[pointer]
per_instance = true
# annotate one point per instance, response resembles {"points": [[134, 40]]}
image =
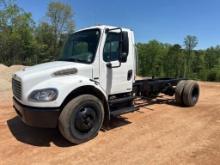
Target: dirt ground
{"points": [[161, 133]]}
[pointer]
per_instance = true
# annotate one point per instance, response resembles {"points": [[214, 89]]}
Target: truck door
{"points": [[116, 78]]}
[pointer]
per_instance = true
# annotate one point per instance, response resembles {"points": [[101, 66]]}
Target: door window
{"points": [[112, 47]]}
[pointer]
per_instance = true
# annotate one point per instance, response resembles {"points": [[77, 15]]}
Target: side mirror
{"points": [[124, 47]]}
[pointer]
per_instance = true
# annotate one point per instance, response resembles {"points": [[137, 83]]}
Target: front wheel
{"points": [[81, 119]]}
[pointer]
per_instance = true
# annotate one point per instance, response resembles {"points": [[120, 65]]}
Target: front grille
{"points": [[17, 88]]}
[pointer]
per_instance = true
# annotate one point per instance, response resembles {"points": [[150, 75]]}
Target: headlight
{"points": [[44, 95]]}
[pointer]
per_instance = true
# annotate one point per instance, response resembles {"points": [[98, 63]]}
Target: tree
{"points": [[190, 43], [60, 18], [212, 63], [173, 61], [45, 39], [142, 59], [212, 57], [198, 65], [150, 57], [17, 42], [22, 42]]}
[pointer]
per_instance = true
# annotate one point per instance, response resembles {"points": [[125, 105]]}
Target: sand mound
{"points": [[4, 85], [6, 74], [15, 68], [3, 67]]}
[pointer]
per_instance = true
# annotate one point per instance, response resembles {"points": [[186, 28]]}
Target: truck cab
{"points": [[93, 79]]}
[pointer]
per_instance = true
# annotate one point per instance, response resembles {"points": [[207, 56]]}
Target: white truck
{"points": [[92, 81]]}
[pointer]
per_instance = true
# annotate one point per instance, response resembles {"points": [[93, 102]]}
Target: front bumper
{"points": [[37, 117]]}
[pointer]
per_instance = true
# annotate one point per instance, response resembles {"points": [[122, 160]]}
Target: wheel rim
{"points": [[85, 119]]}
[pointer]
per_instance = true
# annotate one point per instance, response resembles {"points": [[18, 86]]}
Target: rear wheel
{"points": [[191, 93], [81, 119], [179, 91], [187, 93]]}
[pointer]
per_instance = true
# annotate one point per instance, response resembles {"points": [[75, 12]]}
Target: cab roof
{"points": [[102, 27]]}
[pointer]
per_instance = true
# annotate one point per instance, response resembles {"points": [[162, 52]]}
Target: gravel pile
{"points": [[6, 74]]}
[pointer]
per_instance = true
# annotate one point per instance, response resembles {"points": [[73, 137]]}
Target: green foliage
{"points": [[60, 16], [17, 41], [21, 42], [190, 43], [45, 38], [173, 62], [151, 58], [163, 60], [60, 21], [214, 74]]}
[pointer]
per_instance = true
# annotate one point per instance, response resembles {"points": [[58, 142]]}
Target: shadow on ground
{"points": [[36, 136], [45, 137]]}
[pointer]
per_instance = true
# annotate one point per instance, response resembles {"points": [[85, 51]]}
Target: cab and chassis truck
{"points": [[93, 81]]}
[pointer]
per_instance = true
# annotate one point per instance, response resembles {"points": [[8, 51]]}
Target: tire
{"points": [[179, 92], [190, 93], [81, 119]]}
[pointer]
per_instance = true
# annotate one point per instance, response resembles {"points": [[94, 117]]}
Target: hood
{"points": [[45, 71], [54, 66]]}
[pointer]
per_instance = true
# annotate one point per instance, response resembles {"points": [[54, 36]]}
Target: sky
{"points": [[168, 21]]}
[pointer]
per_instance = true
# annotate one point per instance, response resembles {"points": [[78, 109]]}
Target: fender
{"points": [[90, 89], [68, 87]]}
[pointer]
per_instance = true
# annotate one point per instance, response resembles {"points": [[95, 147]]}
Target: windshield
{"points": [[81, 46]]}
